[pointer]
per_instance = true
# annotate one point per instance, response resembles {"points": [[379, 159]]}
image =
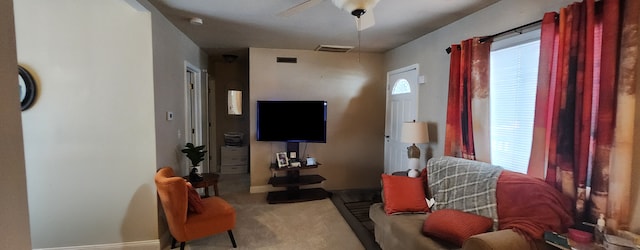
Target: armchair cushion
{"points": [[219, 216], [220, 219]]}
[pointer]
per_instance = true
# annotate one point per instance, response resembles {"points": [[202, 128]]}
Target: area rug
{"points": [[307, 225], [354, 205]]}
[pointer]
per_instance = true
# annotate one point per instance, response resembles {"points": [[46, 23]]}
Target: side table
{"points": [[208, 179]]}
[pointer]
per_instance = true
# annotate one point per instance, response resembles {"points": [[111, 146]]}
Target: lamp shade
{"points": [[351, 5], [414, 132]]}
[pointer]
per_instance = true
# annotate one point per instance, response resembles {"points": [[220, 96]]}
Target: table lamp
{"points": [[414, 132]]}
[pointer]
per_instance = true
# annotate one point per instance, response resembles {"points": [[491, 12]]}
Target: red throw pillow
{"points": [[403, 194], [425, 183], [455, 226], [194, 201]]}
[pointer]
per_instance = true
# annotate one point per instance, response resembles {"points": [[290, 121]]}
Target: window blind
{"points": [[513, 80]]}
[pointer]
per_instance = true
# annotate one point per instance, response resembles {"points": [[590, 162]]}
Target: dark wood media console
{"points": [[293, 181]]}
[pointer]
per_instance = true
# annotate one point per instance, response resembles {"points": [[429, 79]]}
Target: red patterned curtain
{"points": [[585, 106], [467, 132]]}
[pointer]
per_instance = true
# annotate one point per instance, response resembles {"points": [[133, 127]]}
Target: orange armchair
{"points": [[218, 216]]}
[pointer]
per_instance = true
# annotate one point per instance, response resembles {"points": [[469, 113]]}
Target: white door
{"points": [[193, 106], [402, 106]]}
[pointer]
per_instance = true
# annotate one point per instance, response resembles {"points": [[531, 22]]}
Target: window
{"points": [[513, 83], [401, 86]]}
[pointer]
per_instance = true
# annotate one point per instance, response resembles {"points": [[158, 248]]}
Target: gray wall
{"points": [[428, 51], [171, 48], [14, 219]]}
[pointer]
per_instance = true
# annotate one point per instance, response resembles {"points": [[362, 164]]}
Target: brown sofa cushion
{"points": [[403, 194], [455, 226]]}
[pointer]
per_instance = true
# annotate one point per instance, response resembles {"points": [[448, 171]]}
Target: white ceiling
{"points": [[235, 24]]}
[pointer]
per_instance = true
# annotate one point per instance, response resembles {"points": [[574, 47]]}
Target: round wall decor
{"points": [[27, 87]]}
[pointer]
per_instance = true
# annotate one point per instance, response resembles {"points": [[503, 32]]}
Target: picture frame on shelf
{"points": [[282, 159]]}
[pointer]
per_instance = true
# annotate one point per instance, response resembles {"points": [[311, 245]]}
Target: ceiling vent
{"points": [[334, 48], [287, 60]]}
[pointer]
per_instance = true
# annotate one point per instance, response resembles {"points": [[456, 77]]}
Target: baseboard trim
{"points": [[134, 245], [269, 188]]}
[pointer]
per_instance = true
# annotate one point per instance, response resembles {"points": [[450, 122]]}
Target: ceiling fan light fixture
{"points": [[358, 12], [355, 6]]}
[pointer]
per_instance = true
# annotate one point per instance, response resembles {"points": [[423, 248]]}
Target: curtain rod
{"points": [[517, 29]]}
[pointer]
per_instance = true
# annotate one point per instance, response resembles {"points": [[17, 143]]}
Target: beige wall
{"points": [[355, 92], [14, 218], [89, 143], [429, 52]]}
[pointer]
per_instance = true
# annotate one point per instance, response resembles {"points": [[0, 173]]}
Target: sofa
{"points": [[466, 191]]}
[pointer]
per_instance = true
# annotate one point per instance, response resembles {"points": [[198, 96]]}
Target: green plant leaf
{"points": [[195, 154]]}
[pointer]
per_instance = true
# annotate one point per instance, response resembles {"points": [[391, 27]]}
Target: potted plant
{"points": [[196, 155]]}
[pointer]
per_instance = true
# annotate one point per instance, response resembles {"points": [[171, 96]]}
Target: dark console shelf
{"points": [[297, 196], [292, 181], [287, 181], [302, 167]]}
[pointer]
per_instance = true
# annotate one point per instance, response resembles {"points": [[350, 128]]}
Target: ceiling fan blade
{"points": [[299, 8], [366, 21]]}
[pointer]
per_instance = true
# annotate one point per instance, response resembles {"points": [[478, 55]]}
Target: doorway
{"points": [[194, 84], [402, 106]]}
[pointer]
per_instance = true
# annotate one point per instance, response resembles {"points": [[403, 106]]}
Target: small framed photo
{"points": [[282, 159]]}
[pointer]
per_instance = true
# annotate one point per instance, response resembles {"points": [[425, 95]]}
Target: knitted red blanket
{"points": [[530, 206]]}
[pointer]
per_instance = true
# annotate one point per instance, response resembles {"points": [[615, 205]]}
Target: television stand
{"points": [[293, 181]]}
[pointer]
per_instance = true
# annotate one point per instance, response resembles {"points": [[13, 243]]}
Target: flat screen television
{"points": [[292, 121]]}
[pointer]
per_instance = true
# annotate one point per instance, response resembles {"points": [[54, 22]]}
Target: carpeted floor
{"points": [[354, 206], [304, 225]]}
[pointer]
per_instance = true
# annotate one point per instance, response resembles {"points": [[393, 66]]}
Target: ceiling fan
{"points": [[357, 8]]}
